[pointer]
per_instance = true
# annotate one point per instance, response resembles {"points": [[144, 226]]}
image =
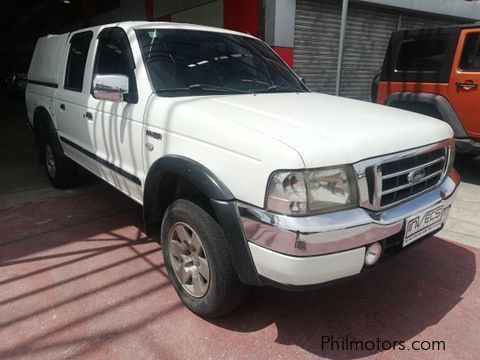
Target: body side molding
{"points": [[101, 161], [43, 83]]}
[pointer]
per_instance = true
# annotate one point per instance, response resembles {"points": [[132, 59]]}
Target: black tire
{"points": [[225, 292], [65, 173], [465, 156]]}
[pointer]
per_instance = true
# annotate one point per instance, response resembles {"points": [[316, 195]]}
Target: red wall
{"points": [[286, 53], [241, 15]]}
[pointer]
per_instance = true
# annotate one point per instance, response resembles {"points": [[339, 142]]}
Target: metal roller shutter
{"points": [[367, 35], [317, 30]]}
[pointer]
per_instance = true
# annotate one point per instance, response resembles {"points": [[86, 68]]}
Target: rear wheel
{"points": [[198, 262], [61, 171]]}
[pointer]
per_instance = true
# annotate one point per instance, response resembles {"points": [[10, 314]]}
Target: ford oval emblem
{"points": [[416, 176]]}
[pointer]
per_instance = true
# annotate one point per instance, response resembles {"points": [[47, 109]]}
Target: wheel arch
{"points": [[433, 105], [161, 189], [162, 179], [42, 114], [43, 127]]}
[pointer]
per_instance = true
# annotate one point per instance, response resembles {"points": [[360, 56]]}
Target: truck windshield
{"points": [[189, 62]]}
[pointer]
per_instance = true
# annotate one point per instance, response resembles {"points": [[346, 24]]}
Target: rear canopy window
{"points": [[77, 58], [425, 52], [470, 60]]}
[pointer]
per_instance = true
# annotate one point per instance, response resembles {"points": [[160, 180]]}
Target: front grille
{"points": [[396, 185]]}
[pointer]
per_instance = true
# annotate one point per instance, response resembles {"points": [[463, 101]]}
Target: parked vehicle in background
{"points": [[16, 81], [436, 72], [247, 177]]}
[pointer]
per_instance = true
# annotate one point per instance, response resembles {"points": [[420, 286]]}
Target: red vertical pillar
{"points": [[87, 11], [286, 53], [241, 16], [149, 10]]}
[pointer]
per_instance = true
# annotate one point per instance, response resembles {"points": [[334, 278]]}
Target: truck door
{"points": [[464, 86], [118, 125], [71, 100]]}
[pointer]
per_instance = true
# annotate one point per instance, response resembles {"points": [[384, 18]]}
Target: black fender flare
{"points": [[185, 168], [42, 122], [407, 100], [43, 129], [189, 169], [157, 198]]}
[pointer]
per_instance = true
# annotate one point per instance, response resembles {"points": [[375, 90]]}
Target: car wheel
{"points": [[197, 259], [61, 171]]}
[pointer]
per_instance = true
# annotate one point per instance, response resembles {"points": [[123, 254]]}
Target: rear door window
{"points": [[425, 52], [77, 58], [470, 60]]}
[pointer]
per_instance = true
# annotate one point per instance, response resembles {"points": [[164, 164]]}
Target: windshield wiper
{"points": [[276, 88], [205, 87]]}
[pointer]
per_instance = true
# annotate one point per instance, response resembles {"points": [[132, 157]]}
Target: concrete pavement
{"points": [[21, 180], [464, 222]]}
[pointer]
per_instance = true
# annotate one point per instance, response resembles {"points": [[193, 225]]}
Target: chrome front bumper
{"points": [[338, 231]]}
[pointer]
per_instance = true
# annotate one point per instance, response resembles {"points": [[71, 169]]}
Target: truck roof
{"points": [[163, 25], [43, 70], [422, 55]]}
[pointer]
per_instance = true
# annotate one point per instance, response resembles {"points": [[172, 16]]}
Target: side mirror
{"points": [[302, 79], [110, 87]]}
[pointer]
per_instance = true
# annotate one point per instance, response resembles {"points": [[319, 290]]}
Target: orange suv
{"points": [[436, 72]]}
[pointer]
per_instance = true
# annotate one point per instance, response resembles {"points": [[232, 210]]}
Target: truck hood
{"points": [[325, 130]]}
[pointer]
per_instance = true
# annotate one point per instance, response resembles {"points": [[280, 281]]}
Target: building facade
{"points": [[336, 45]]}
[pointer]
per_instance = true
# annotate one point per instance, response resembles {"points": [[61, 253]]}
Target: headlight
{"points": [[287, 193], [312, 191], [331, 189]]}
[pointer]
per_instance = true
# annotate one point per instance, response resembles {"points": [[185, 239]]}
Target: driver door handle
{"points": [[467, 85]]}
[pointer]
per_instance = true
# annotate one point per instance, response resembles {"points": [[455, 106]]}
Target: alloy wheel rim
{"points": [[50, 161], [189, 260]]}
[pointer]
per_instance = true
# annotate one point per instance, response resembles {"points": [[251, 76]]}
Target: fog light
{"points": [[373, 253]]}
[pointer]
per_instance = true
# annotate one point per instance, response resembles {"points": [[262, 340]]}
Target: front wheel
{"points": [[198, 262], [465, 156]]}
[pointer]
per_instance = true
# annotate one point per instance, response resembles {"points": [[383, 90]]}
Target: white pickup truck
{"points": [[247, 176]]}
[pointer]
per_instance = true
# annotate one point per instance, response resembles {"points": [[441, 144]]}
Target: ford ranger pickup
{"points": [[246, 177]]}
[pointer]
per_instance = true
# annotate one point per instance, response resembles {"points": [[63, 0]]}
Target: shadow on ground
{"points": [[83, 275], [397, 301], [93, 282]]}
